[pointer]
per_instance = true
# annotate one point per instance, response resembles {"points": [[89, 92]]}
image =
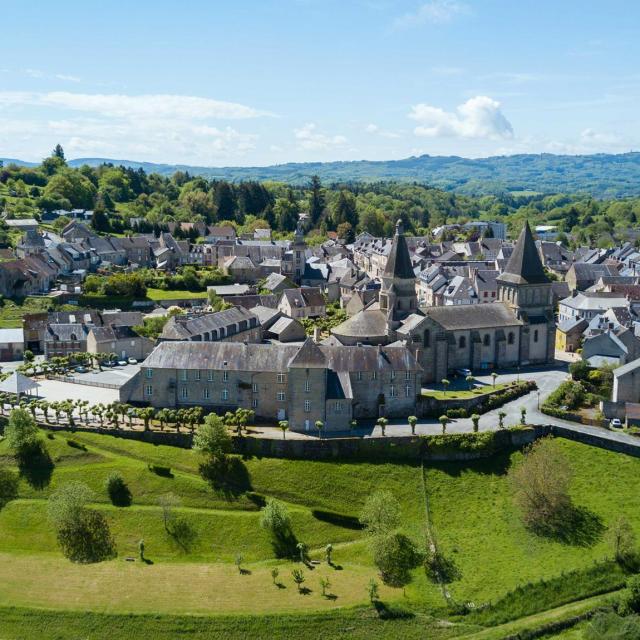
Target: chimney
{"points": [[316, 334]]}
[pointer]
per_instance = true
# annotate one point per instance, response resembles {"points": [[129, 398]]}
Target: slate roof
{"points": [[310, 356], [368, 323], [237, 356], [183, 328], [399, 262], [524, 266], [481, 316]]}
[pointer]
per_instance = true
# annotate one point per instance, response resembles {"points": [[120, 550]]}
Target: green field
{"points": [[473, 518], [174, 294], [12, 311]]}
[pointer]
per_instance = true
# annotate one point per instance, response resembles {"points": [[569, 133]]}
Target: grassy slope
{"points": [[12, 311], [479, 528], [474, 520], [221, 527]]}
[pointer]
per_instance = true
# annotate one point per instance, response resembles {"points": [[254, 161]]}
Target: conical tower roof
{"points": [[399, 263], [524, 266]]}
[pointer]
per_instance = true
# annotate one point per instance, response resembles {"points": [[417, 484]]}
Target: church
{"points": [[517, 330]]}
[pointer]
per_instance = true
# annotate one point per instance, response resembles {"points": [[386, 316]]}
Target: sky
{"points": [[258, 82]]}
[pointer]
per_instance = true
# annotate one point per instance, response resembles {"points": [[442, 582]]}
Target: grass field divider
{"points": [[430, 538]]}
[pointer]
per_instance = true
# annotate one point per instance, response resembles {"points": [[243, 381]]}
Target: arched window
{"points": [[462, 342], [535, 335], [510, 337], [486, 340], [426, 338], [73, 337]]}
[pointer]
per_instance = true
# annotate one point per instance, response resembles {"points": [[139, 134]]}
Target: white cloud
{"points": [[434, 12], [154, 127], [375, 129], [151, 105], [67, 78], [478, 117], [590, 136], [310, 138]]}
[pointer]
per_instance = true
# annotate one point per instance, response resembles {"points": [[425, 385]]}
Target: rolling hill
{"points": [[600, 175]]}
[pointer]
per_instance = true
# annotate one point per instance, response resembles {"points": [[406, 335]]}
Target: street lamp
{"points": [[518, 379], [538, 401]]}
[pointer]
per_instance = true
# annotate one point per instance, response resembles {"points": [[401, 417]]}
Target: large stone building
{"points": [[301, 384], [518, 329]]}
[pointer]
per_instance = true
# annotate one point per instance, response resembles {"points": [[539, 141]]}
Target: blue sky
{"points": [[261, 82]]}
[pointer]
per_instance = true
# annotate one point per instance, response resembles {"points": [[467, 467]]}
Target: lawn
{"points": [[473, 517], [12, 311], [174, 294], [464, 394]]}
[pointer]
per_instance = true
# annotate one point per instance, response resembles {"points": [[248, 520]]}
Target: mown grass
{"points": [[464, 394], [358, 624], [480, 530], [174, 294], [475, 521]]}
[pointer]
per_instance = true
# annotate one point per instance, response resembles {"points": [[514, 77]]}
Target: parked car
{"points": [[463, 373], [133, 361], [81, 369], [122, 363], [616, 423]]}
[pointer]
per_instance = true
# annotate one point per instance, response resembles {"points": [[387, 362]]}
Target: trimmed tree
{"points": [[475, 419], [444, 421], [413, 421]]}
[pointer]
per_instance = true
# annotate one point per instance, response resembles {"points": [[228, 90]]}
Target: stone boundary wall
{"points": [[411, 449]]}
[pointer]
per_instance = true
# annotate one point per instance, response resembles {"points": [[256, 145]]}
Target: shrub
{"points": [[117, 490], [160, 470], [75, 444]]}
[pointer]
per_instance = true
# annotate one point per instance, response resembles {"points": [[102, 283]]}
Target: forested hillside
{"points": [[601, 175], [125, 199]]}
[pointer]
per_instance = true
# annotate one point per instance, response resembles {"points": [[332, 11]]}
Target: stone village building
{"points": [[299, 383]]}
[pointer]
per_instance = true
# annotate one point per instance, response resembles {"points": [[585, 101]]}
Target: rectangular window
{"points": [[210, 376], [307, 386], [254, 388], [338, 407], [197, 374], [393, 374], [225, 376], [374, 375], [148, 390], [280, 396], [185, 392], [407, 391], [281, 378], [254, 403], [149, 373], [392, 391], [307, 406], [183, 374], [205, 393], [225, 394], [359, 375], [407, 375]]}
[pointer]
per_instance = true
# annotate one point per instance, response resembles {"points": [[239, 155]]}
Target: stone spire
{"points": [[399, 263], [524, 266]]}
